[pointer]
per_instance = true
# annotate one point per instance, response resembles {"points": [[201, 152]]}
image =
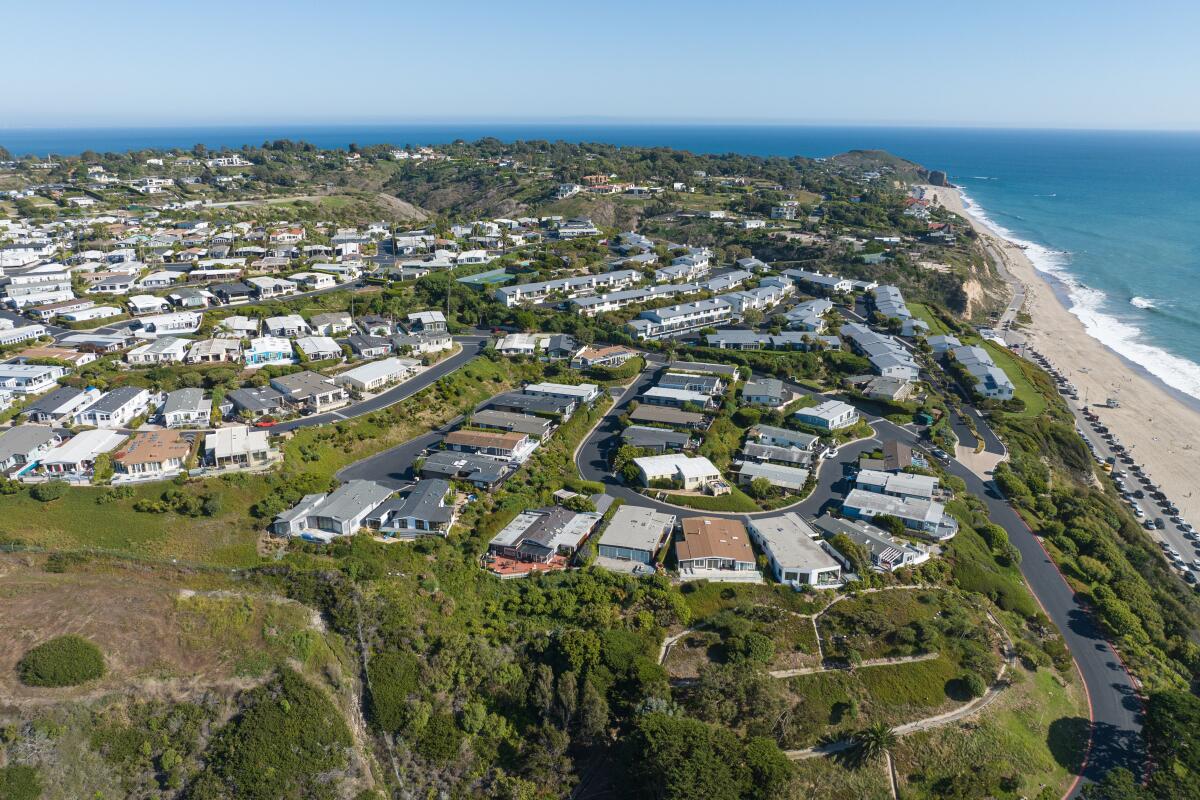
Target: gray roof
{"points": [[465, 466], [509, 421], [424, 501], [54, 401], [771, 387], [300, 385], [256, 399], [114, 400], [350, 499], [645, 436], [24, 439], [637, 528], [528, 402], [185, 400]]}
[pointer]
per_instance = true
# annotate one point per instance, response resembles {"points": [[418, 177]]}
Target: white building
{"points": [[692, 473], [794, 557], [831, 415], [319, 348], [377, 374], [78, 454], [115, 409], [167, 350]]}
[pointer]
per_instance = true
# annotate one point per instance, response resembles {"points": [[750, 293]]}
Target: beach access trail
{"points": [[1161, 431]]}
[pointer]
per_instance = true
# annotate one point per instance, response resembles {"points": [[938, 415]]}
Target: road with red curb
{"points": [[1113, 695]]}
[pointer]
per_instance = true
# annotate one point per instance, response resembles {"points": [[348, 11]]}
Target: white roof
{"points": [[374, 370], [685, 466], [582, 391], [84, 447], [235, 440], [791, 541]]}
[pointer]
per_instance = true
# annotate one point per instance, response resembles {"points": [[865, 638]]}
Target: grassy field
{"points": [[871, 623], [1020, 374], [1031, 731], [706, 599]]}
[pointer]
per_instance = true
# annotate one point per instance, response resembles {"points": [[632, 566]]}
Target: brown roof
{"points": [[60, 353], [499, 439], [602, 352], [714, 537], [669, 416], [896, 455], [150, 447]]}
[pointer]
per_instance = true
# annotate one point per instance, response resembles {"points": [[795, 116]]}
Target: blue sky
{"points": [[1054, 63]]}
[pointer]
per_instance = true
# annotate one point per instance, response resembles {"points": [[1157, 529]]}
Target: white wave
{"points": [[982, 178], [1087, 304], [1052, 194], [1142, 302]]}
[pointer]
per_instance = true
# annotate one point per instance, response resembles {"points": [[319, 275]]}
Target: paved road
{"points": [[471, 347], [393, 467], [1115, 705]]}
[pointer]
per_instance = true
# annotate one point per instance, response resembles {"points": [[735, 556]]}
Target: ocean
{"points": [[1112, 217]]}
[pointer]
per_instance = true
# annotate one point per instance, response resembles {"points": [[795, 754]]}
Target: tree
{"points": [[893, 525], [873, 741], [855, 553], [760, 488], [593, 714], [1118, 784], [541, 689], [568, 698]]}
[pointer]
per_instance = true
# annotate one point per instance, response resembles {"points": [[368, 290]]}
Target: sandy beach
{"points": [[1161, 431]]}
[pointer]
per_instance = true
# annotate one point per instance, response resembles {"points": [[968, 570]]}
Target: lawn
{"points": [[901, 692], [736, 500], [924, 312], [1019, 373]]}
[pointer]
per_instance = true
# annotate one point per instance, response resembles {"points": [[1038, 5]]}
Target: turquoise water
{"points": [[1115, 217]]}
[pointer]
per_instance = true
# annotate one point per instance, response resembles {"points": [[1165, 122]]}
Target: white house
{"points": [[186, 407], [167, 350], [831, 415], [318, 348], [115, 409], [794, 556], [377, 374], [79, 453], [692, 473]]}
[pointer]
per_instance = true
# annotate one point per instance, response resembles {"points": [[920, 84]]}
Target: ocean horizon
{"points": [[1110, 216]]}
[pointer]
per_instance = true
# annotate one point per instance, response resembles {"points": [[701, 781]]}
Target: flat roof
{"points": [[791, 541], [150, 447], [638, 528]]}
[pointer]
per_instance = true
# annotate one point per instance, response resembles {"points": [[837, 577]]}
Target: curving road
{"points": [[1113, 698], [471, 347]]}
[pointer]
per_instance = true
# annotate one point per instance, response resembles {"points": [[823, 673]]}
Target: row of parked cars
{"points": [[1135, 486]]}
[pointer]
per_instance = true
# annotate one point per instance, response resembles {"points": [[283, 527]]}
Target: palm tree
{"points": [[874, 741]]}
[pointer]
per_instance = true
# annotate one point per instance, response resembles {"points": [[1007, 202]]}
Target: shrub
{"points": [[51, 490], [19, 782], [65, 661]]}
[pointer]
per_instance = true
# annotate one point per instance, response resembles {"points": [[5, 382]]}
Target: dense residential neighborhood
{"points": [[520, 450]]}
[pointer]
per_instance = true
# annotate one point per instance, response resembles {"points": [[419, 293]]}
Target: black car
{"points": [[1158, 523]]}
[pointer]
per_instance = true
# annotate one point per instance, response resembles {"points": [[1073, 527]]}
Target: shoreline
{"points": [[1159, 424]]}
